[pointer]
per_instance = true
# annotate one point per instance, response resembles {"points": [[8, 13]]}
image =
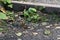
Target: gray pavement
{"points": [[44, 1]]}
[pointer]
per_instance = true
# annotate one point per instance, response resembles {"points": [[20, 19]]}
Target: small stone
{"points": [[20, 13], [47, 32], [10, 22], [58, 38], [1, 35], [32, 28], [35, 33], [58, 27], [29, 27], [55, 24], [19, 39], [35, 25], [20, 18], [14, 28], [39, 30], [25, 31], [16, 15], [47, 26], [50, 25], [58, 35], [44, 23], [45, 14], [12, 36], [18, 34]]}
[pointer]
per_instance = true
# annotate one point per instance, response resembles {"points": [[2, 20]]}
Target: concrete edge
{"points": [[37, 4]]}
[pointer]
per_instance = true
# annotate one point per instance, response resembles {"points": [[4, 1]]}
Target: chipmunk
{"points": [[2, 9]]}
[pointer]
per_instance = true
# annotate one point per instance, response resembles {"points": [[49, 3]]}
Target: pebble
{"points": [[47, 32], [35, 25], [34, 33], [32, 28], [25, 31], [58, 38], [16, 15], [29, 27], [19, 39], [47, 26], [18, 34], [39, 30], [20, 18], [55, 24], [44, 23], [12, 36], [58, 27], [58, 35], [1, 35]]}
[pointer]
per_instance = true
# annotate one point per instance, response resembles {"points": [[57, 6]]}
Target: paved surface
{"points": [[44, 1], [28, 35]]}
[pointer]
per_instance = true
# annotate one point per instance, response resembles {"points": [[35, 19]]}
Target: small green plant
{"points": [[10, 15], [44, 19], [3, 13], [41, 8], [3, 16], [31, 15], [6, 3], [3, 29], [47, 32]]}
